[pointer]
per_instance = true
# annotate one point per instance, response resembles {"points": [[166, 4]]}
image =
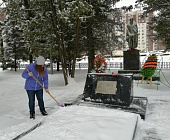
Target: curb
{"points": [[28, 131]]}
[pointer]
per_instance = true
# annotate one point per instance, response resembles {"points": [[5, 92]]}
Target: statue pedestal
{"points": [[131, 59]]}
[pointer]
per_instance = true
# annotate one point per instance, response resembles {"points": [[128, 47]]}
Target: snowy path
{"points": [[156, 125]]}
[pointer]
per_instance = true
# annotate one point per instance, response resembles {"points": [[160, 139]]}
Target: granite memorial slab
{"points": [[108, 88]]}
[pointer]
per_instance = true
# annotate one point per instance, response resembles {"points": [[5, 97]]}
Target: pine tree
{"points": [[68, 27], [12, 36]]}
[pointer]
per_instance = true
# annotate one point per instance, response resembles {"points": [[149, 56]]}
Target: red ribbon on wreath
{"points": [[100, 64], [151, 62]]}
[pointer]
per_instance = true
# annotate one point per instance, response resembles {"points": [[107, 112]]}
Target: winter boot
{"points": [[32, 115], [44, 113]]}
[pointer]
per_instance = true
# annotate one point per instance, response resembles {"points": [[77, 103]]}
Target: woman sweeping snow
{"points": [[32, 87]]}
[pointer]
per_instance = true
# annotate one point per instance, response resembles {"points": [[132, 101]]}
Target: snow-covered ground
{"points": [[81, 122]]}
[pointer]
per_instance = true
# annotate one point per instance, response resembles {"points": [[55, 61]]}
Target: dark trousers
{"points": [[31, 97]]}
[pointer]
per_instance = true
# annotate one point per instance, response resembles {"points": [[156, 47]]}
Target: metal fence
{"points": [[120, 65], [110, 65]]}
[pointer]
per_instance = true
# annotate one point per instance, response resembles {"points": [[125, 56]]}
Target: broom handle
{"points": [[43, 87]]}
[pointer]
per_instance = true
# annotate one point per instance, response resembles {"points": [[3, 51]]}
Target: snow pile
{"points": [[86, 123]]}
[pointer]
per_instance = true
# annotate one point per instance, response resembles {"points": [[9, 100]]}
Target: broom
{"points": [[45, 90]]}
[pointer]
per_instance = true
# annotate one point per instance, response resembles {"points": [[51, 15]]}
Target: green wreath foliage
{"points": [[149, 70]]}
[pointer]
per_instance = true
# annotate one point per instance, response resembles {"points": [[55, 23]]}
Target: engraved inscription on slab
{"points": [[106, 87]]}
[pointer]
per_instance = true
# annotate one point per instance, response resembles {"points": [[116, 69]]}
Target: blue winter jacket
{"points": [[31, 83]]}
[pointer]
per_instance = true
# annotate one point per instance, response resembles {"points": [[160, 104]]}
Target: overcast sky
{"points": [[125, 3], [0, 2]]}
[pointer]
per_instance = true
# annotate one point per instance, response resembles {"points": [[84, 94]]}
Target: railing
{"points": [[110, 65]]}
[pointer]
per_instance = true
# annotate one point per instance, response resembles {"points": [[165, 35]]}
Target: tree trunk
{"points": [[91, 59], [91, 51], [58, 65], [51, 61], [30, 58], [27, 6], [75, 48], [62, 53], [60, 40], [15, 61]]}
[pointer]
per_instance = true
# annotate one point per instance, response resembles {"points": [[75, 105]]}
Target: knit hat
{"points": [[40, 60]]}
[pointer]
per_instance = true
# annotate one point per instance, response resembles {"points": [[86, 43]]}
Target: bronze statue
{"points": [[132, 34]]}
